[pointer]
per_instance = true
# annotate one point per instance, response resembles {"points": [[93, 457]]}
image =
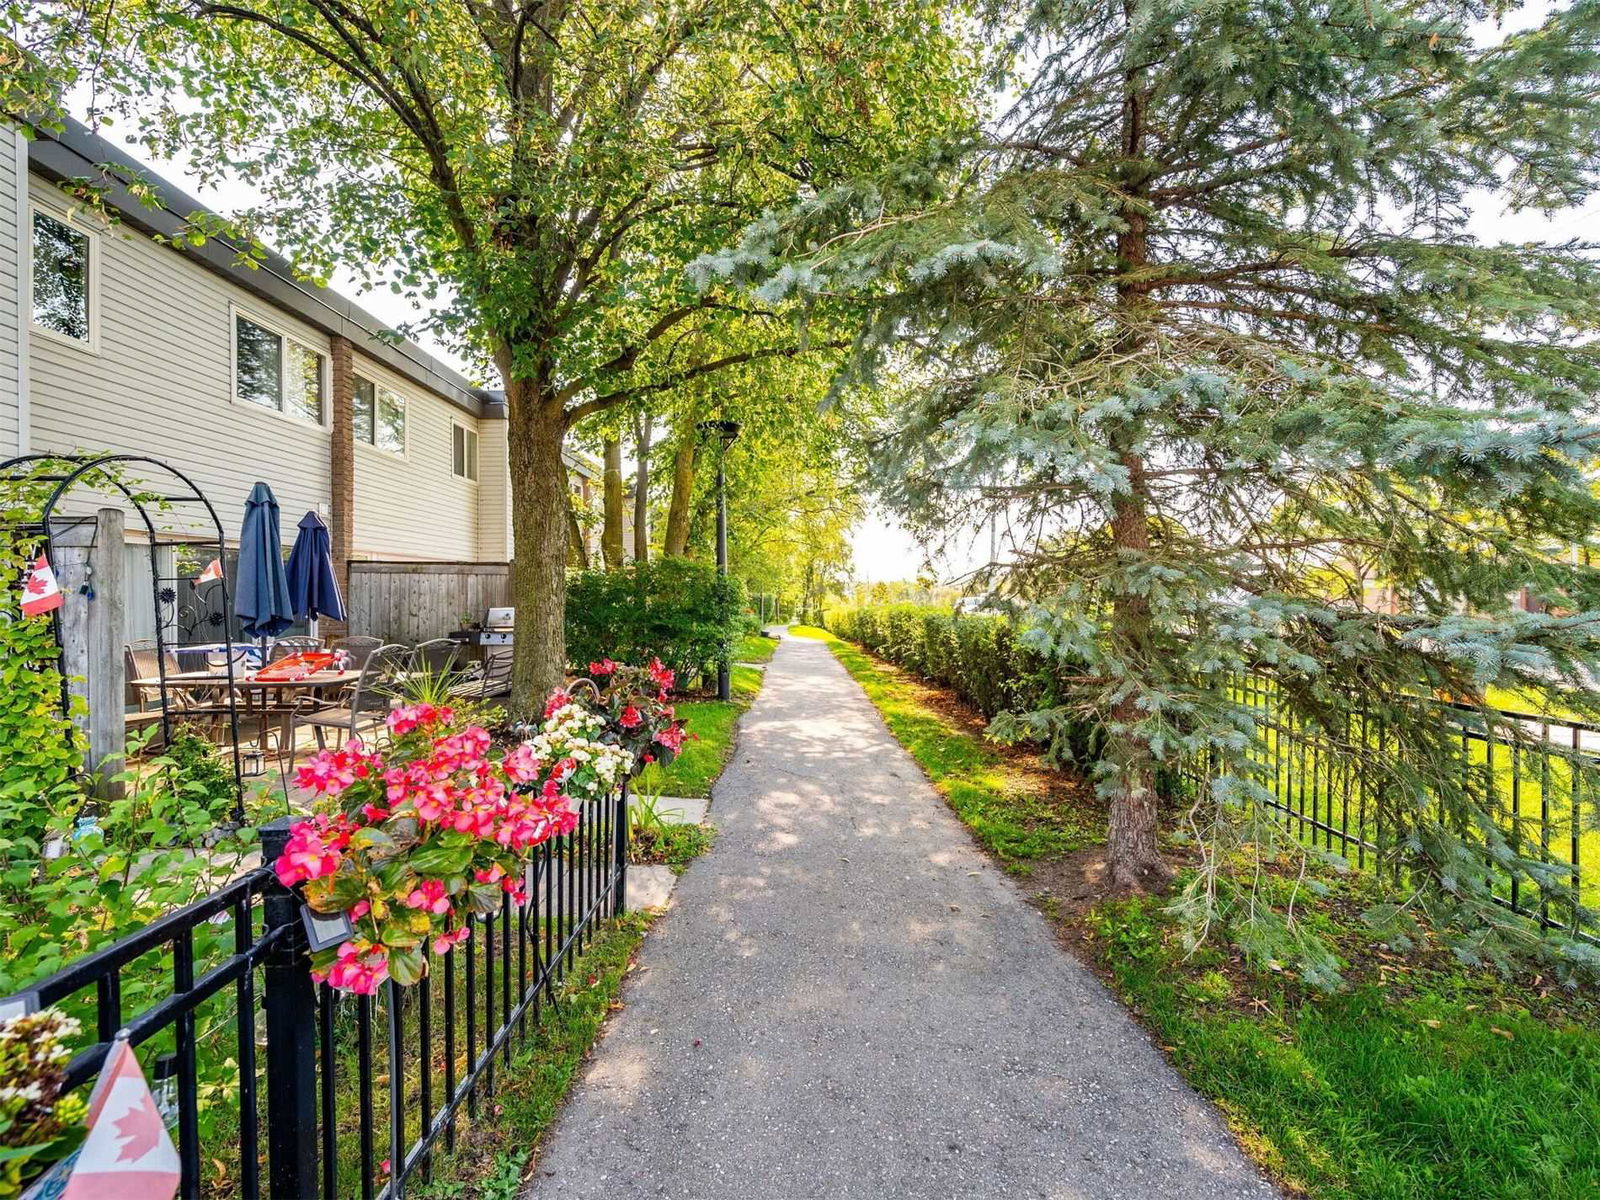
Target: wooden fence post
{"points": [[91, 563]]}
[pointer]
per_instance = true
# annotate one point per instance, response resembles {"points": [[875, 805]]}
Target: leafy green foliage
{"points": [[41, 749], [1203, 317], [674, 609], [982, 660], [712, 725]]}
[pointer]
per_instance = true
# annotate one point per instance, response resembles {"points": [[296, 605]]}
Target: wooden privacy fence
{"points": [[412, 602]]}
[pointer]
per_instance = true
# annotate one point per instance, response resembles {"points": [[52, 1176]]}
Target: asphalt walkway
{"points": [[848, 1000]]}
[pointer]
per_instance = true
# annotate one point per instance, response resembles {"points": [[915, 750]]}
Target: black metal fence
{"points": [[1537, 771], [354, 1095]]}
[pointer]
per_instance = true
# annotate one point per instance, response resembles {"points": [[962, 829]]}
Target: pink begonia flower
{"points": [[329, 772], [429, 896], [630, 718], [604, 667], [491, 874], [305, 856], [360, 909], [520, 765], [671, 737], [404, 719], [432, 802], [359, 968], [450, 938], [662, 676], [557, 701]]}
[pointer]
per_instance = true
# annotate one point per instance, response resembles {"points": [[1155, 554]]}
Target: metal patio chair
{"points": [[369, 701]]}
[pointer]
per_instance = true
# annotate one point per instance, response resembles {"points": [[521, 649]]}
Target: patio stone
{"points": [[649, 886], [677, 810]]}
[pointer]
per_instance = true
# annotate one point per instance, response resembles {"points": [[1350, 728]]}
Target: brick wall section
{"points": [[342, 459]]}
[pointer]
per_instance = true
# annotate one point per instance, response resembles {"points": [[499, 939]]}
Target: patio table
{"points": [[255, 693]]}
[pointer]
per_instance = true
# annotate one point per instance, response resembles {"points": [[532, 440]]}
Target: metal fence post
{"points": [[620, 896], [291, 1057]]}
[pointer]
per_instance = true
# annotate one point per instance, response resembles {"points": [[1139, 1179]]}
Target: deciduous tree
{"points": [[539, 170]]}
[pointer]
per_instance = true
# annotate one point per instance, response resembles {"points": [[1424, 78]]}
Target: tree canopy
{"points": [[538, 171]]}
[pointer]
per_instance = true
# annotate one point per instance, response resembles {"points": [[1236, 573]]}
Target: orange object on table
{"points": [[295, 666]]}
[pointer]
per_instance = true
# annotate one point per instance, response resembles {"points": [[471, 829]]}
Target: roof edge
{"points": [[76, 152]]}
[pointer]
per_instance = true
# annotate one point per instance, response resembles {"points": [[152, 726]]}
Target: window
{"points": [[62, 295], [465, 464], [275, 372], [380, 416]]}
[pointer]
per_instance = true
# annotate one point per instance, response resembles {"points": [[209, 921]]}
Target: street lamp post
{"points": [[725, 432]]}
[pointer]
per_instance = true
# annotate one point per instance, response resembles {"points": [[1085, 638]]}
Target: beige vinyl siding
{"points": [[161, 382], [413, 506], [494, 492], [13, 170]]}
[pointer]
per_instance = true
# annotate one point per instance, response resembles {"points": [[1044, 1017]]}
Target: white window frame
{"points": [[373, 377], [477, 457], [90, 345], [255, 317]]}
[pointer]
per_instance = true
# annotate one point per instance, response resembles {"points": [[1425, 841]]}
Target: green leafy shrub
{"points": [[674, 609], [980, 659]]}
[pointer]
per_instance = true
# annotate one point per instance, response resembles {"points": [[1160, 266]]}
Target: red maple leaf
{"points": [[35, 584], [139, 1130]]}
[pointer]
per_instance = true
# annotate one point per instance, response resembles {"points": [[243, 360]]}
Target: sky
{"points": [[883, 549]]}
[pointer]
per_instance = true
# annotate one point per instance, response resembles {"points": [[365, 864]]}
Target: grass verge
{"points": [[492, 1155], [712, 723], [755, 648], [1422, 1079]]}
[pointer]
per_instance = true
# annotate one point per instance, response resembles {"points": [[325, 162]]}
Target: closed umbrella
{"points": [[313, 587], [263, 603]]}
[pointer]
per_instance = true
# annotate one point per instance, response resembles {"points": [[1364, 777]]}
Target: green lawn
{"points": [[756, 648], [1421, 1081], [1427, 1084], [712, 723]]}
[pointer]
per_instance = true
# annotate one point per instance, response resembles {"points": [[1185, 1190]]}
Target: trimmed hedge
{"points": [[675, 609], [976, 656]]}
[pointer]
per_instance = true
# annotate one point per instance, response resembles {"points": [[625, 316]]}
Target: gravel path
{"points": [[847, 1000]]}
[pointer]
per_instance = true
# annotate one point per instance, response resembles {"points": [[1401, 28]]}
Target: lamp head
{"points": [[726, 431]]}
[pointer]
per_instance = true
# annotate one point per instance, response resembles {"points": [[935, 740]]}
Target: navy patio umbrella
{"points": [[313, 587], [262, 603]]}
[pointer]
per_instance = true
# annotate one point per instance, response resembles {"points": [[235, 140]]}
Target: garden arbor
{"points": [[85, 552]]}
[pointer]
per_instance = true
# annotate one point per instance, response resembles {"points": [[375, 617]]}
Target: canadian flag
{"points": [[127, 1153], [40, 591], [212, 572]]}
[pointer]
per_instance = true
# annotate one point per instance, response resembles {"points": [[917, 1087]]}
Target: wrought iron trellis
{"points": [[105, 471]]}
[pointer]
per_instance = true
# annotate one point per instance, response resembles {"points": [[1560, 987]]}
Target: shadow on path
{"points": [[848, 1000]]}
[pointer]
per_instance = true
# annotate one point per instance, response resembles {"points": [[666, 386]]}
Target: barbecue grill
{"points": [[497, 629]]}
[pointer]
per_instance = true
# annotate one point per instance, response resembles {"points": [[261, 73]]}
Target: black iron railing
{"points": [[1538, 772], [354, 1095]]}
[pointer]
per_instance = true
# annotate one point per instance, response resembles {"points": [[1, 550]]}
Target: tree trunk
{"points": [[1132, 856], [539, 512], [641, 489], [1131, 843], [611, 530], [578, 551], [676, 541]]}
